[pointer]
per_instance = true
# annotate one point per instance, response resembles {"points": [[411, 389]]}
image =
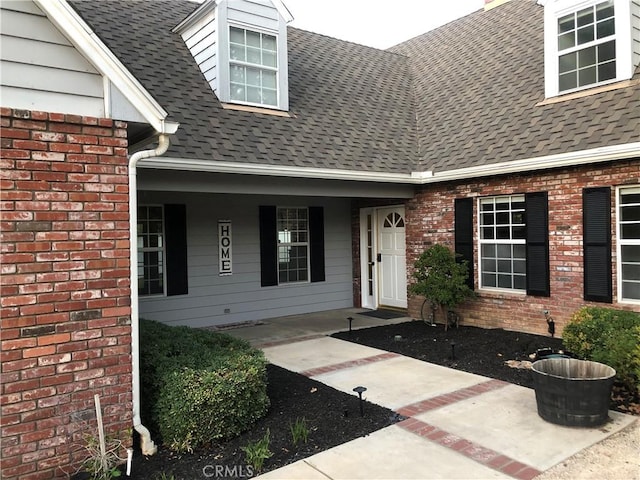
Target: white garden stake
{"points": [[103, 446]]}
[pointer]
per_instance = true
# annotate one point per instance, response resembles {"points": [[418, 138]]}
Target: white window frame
{"points": [[620, 191], [511, 241], [283, 242], [554, 10], [232, 62], [162, 250]]}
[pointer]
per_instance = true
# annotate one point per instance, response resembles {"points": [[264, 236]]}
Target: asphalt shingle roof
{"points": [[479, 80], [352, 104], [465, 94]]}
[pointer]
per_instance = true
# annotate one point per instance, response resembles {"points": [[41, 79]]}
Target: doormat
{"points": [[383, 314]]}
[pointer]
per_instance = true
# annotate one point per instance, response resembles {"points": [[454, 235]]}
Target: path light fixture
{"points": [[551, 325], [453, 350], [359, 391], [350, 321]]}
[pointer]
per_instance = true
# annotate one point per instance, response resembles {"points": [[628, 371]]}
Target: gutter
{"points": [[147, 445], [562, 160], [571, 159]]}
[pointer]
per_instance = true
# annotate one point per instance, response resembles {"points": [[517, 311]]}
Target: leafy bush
{"points": [[440, 278], [197, 385], [607, 336]]}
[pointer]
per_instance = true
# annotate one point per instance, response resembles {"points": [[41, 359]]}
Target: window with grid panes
{"points": [[503, 242], [587, 46], [151, 250], [293, 245], [629, 239], [253, 67]]}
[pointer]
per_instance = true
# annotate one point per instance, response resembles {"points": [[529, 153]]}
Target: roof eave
{"points": [[89, 44], [196, 165], [571, 159]]}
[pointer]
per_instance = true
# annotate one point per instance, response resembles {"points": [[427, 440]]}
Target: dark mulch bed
{"points": [[333, 416], [477, 350]]}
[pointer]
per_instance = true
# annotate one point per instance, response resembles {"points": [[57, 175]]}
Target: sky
{"points": [[376, 23]]}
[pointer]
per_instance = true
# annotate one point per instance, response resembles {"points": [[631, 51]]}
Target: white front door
{"points": [[392, 265]]}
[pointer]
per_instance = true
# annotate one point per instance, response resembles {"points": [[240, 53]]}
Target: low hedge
{"points": [[198, 386], [607, 336]]}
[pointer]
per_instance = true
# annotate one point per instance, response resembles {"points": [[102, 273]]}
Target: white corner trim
{"points": [[89, 44], [571, 159]]}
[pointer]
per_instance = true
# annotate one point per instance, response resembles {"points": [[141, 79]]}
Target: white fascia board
{"points": [[283, 10], [209, 5], [195, 165], [571, 159], [89, 44], [196, 15]]}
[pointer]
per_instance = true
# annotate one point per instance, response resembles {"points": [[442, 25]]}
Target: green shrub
{"points": [[440, 278], [607, 336], [197, 385]]}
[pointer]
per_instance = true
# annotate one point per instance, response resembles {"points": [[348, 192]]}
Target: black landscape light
{"points": [[359, 391], [350, 321], [453, 350]]}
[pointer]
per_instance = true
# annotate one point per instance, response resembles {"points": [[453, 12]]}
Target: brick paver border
{"points": [[349, 364], [469, 449], [451, 397]]}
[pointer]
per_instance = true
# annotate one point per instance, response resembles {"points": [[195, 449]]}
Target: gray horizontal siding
{"points": [[202, 41], [41, 70], [259, 13], [241, 293]]}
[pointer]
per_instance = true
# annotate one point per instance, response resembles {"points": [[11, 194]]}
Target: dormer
{"points": [[241, 48], [589, 43]]}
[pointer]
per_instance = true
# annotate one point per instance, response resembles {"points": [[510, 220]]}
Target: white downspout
{"points": [[146, 444]]}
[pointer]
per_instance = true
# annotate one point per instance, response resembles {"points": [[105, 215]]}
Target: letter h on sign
{"points": [[224, 248]]}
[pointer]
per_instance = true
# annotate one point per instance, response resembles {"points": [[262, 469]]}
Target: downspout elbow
{"points": [[147, 445]]}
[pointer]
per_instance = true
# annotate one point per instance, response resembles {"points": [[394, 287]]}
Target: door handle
{"points": [[379, 257]]}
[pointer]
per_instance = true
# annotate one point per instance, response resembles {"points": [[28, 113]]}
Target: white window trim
{"points": [[620, 242], [480, 242], [624, 54], [263, 31], [164, 256], [224, 73], [307, 244]]}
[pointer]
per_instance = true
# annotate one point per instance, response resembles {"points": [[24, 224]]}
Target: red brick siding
{"points": [[430, 217], [65, 302]]}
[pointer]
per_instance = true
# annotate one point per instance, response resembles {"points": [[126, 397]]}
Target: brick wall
{"points": [[65, 300], [430, 219]]}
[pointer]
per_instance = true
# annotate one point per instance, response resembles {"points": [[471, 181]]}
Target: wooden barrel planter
{"points": [[571, 392]]}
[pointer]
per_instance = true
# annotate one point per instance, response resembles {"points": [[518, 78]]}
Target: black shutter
{"points": [[316, 243], [537, 212], [175, 224], [464, 234], [268, 246], [596, 221]]}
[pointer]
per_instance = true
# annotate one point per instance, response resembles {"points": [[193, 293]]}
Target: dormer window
{"points": [[588, 43], [241, 49], [253, 67], [587, 46]]}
